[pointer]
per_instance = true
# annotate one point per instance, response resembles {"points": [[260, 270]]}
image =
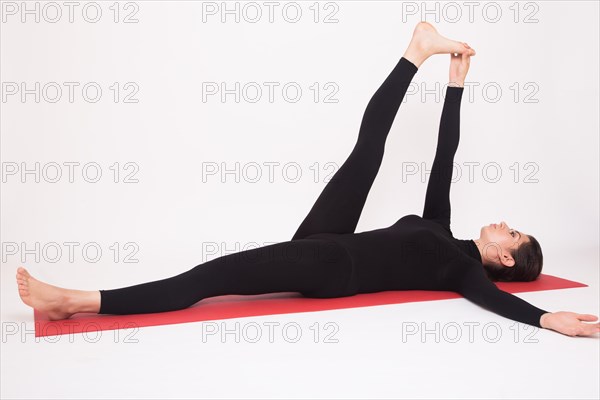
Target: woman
{"points": [[326, 258]]}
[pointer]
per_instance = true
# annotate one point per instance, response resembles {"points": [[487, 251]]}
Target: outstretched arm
{"points": [[475, 286], [437, 198]]}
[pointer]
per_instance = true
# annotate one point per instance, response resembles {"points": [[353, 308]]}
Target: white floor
{"points": [[359, 353]]}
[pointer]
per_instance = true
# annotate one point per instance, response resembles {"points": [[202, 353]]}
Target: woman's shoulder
{"points": [[464, 267]]}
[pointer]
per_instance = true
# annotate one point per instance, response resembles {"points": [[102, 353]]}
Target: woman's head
{"points": [[508, 254]]}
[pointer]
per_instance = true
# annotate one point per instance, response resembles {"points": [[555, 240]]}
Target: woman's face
{"points": [[497, 241]]}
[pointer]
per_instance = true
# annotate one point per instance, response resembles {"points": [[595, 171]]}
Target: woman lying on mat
{"points": [[326, 258]]}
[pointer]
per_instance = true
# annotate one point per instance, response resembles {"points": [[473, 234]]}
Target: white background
{"points": [[172, 215]]}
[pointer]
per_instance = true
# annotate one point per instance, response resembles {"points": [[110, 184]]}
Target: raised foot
{"points": [[51, 300], [426, 41]]}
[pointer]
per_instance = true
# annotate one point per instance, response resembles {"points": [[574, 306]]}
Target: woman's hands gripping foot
{"points": [[426, 41], [459, 67]]}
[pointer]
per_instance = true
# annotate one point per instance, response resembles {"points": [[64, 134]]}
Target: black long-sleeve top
{"points": [[421, 253]]}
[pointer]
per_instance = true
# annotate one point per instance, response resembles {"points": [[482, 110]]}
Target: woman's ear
{"points": [[507, 260]]}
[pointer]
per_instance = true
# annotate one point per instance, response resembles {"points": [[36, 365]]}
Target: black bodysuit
{"points": [[327, 258]]}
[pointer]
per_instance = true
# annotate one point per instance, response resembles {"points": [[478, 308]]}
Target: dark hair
{"points": [[528, 264]]}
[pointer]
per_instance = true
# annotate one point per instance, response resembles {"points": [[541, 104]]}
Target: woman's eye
{"points": [[512, 233]]}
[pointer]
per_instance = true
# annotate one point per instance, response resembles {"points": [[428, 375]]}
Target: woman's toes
{"points": [[23, 273], [42, 296], [471, 50]]}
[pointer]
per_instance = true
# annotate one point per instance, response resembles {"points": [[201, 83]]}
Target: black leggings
{"points": [[315, 267]]}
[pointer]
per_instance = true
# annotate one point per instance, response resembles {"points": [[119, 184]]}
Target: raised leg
{"points": [[340, 204], [338, 208]]}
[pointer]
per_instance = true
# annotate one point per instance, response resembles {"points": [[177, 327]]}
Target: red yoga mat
{"points": [[236, 306]]}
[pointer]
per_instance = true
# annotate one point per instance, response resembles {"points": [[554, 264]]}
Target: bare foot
{"points": [[51, 300], [426, 41]]}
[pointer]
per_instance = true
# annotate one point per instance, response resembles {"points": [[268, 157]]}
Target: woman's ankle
{"points": [[415, 56], [80, 301]]}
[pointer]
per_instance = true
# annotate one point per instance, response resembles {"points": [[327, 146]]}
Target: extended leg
{"points": [[312, 267], [338, 208]]}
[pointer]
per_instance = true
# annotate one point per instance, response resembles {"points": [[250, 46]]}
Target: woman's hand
{"points": [[459, 66], [570, 323]]}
